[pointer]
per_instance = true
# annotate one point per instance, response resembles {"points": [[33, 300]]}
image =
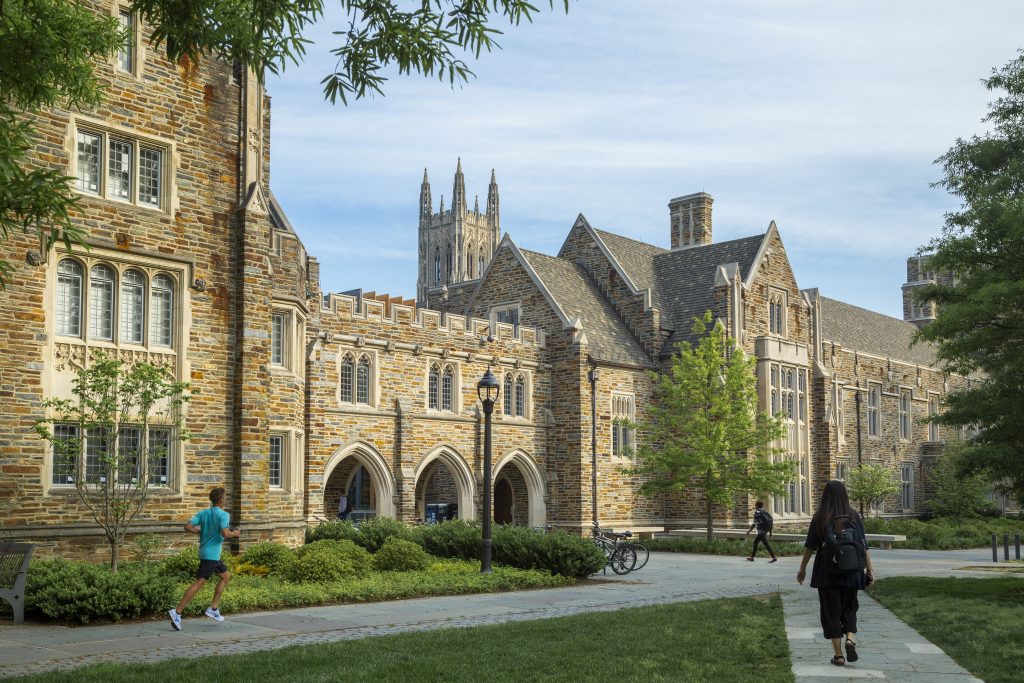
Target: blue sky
{"points": [[823, 115]]}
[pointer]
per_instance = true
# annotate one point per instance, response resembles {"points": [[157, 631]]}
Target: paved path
{"points": [[667, 578]]}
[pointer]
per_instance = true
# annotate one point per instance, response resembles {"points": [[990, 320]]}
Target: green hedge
{"points": [[58, 590], [946, 533], [399, 555], [720, 546], [326, 561]]}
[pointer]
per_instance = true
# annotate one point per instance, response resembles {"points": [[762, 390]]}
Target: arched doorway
{"points": [[444, 487], [360, 472], [525, 484], [504, 502]]}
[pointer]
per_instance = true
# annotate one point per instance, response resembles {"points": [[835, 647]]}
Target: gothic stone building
{"points": [[299, 395]]}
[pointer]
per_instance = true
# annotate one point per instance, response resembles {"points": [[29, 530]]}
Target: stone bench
{"points": [[885, 540], [642, 533], [14, 559]]}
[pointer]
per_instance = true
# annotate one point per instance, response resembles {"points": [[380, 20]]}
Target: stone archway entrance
{"points": [[361, 473], [519, 491], [444, 487], [504, 502]]}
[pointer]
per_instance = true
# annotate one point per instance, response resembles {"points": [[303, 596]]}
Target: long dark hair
{"points": [[835, 502]]}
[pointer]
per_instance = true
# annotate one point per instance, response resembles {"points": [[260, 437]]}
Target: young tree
{"points": [[867, 484], [110, 438], [979, 328], [48, 49], [957, 495], [704, 431]]}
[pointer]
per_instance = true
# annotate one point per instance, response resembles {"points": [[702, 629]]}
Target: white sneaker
{"points": [[213, 614], [175, 619]]}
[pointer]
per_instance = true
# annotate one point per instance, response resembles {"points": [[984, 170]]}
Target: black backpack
{"points": [[844, 551], [765, 522]]}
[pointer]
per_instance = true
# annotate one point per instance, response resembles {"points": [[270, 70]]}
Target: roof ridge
{"points": [[868, 310], [630, 239]]}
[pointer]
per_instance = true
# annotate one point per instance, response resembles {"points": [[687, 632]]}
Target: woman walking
{"points": [[842, 566]]}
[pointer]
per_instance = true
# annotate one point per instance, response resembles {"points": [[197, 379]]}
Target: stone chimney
{"points": [[690, 217]]}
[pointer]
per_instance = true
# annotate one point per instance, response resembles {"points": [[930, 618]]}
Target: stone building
{"points": [[301, 395]]}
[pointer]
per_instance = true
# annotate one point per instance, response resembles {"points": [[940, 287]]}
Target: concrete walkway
{"points": [[888, 648], [667, 578]]}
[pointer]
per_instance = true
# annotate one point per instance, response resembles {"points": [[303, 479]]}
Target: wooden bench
{"points": [[14, 559], [885, 540], [643, 533]]}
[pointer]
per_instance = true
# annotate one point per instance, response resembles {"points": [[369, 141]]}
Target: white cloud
{"points": [[823, 116]]}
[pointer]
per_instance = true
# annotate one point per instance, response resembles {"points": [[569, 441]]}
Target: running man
{"points": [[212, 525]]}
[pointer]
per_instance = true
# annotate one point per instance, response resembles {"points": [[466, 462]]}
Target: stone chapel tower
{"points": [[455, 245]]}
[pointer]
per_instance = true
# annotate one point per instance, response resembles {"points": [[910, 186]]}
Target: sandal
{"points": [[839, 660], [851, 651]]}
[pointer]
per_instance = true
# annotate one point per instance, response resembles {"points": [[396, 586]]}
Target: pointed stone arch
{"points": [[465, 483], [535, 486], [376, 465]]}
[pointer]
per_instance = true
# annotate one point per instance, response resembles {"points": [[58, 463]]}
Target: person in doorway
{"points": [[213, 526], [842, 566], [764, 524], [343, 507]]}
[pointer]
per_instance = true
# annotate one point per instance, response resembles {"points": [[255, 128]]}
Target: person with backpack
{"points": [[764, 523], [842, 566]]}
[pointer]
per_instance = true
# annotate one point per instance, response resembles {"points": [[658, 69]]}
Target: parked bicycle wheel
{"points": [[623, 559], [642, 555]]}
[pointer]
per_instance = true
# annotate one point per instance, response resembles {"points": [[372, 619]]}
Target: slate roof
{"points": [[578, 296], [680, 281], [859, 329]]}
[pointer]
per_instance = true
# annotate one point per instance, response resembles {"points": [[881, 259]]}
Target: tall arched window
{"points": [[161, 311], [347, 371], [506, 403], [520, 396], [133, 306], [469, 261], [437, 266], [69, 298], [433, 387], [480, 273], [363, 381], [448, 263], [101, 303], [447, 384]]}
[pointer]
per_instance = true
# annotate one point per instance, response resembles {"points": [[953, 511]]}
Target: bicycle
{"points": [[620, 555]]}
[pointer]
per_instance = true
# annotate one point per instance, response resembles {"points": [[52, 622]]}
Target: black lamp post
{"points": [[593, 376], [487, 392]]}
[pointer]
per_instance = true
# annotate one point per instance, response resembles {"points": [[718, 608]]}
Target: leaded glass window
{"points": [[363, 381], [433, 388], [347, 373], [277, 343], [276, 457], [69, 298], [88, 165], [119, 170], [161, 311], [129, 446], [126, 55], [67, 446], [133, 306], [101, 303], [447, 384], [159, 456], [520, 397], [150, 176], [506, 405]]}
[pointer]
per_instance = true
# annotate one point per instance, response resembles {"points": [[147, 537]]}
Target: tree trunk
{"points": [[115, 550], [711, 520]]}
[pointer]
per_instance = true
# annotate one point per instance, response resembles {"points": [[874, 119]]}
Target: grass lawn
{"points": [[977, 622], [715, 640]]}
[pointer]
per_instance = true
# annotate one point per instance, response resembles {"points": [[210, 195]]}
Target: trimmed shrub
{"points": [[557, 552], [454, 538], [399, 555], [81, 592], [374, 532], [246, 569], [334, 530], [276, 558], [324, 561], [182, 566]]}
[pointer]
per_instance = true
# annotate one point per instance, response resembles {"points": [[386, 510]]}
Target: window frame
{"points": [[79, 469], [292, 337], [778, 304], [505, 308], [904, 406], [282, 439], [874, 410], [350, 399], [516, 406], [435, 390], [907, 486], [120, 265], [623, 438], [138, 144], [933, 410]]}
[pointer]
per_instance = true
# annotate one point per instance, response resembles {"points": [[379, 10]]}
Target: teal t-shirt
{"points": [[211, 521]]}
